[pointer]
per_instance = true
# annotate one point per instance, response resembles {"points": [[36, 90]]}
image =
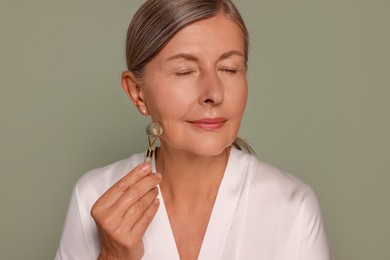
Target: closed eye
{"points": [[229, 70], [184, 73]]}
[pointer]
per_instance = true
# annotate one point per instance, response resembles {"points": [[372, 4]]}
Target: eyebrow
{"points": [[185, 56], [191, 57], [230, 53]]}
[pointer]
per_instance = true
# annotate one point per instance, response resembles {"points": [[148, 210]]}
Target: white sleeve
{"points": [[74, 243], [314, 244]]}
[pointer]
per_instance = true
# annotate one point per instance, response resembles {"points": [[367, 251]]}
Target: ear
{"points": [[131, 85]]}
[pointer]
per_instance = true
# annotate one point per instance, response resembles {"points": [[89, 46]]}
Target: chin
{"points": [[205, 144], [210, 148]]}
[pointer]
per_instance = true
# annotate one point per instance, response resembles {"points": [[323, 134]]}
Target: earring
{"points": [[153, 131]]}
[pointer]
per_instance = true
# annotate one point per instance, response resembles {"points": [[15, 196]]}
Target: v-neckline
{"points": [[159, 239]]}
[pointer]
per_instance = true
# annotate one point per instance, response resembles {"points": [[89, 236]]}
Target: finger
{"points": [[143, 223], [116, 191], [135, 212], [132, 195]]}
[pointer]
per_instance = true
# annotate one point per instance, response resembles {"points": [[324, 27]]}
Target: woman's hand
{"points": [[123, 213]]}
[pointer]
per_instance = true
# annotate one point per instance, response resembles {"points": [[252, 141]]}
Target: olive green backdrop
{"points": [[319, 107]]}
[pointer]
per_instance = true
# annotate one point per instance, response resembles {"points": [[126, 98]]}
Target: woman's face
{"points": [[196, 87]]}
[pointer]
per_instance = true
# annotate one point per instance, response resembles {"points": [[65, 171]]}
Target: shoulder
{"points": [[279, 206], [279, 185]]}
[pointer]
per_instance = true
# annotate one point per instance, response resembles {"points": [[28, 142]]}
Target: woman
{"points": [[187, 63]]}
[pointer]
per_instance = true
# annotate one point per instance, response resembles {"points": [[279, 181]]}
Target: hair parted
{"points": [[157, 21]]}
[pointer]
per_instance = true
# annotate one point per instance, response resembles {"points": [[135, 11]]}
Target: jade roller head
{"points": [[153, 131]]}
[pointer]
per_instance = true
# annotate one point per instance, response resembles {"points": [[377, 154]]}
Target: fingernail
{"points": [[156, 201], [158, 175], [146, 167]]}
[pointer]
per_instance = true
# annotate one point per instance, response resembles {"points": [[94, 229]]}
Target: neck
{"points": [[190, 177]]}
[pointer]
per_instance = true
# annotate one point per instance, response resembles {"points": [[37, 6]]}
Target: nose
{"points": [[212, 90]]}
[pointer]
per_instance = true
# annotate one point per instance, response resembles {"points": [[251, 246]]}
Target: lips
{"points": [[209, 124]]}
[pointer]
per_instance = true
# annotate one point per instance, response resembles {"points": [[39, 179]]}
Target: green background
{"points": [[319, 107]]}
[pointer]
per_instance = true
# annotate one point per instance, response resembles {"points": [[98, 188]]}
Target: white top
{"points": [[260, 213]]}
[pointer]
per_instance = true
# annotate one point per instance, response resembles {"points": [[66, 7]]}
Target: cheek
{"points": [[168, 104], [239, 94]]}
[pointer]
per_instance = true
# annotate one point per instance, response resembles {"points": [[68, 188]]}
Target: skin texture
{"points": [[196, 89]]}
